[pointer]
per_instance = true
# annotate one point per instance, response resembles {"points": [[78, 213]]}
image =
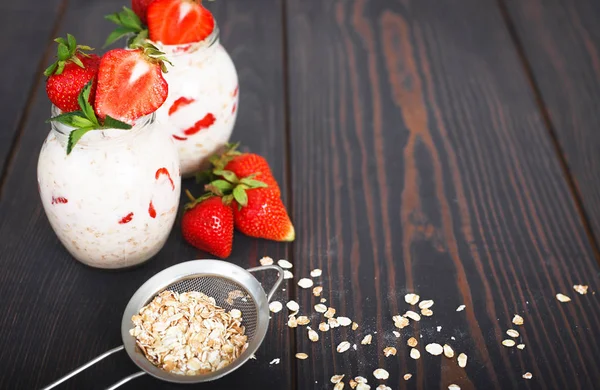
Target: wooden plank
{"points": [[26, 29], [57, 313], [421, 164], [561, 44]]}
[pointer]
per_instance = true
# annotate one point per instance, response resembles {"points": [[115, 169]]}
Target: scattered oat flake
{"points": [[581, 289], [315, 273], [317, 291], [425, 304], [292, 322], [415, 354], [412, 299], [401, 323], [407, 376], [329, 313], [453, 387], [337, 378], [439, 328], [323, 300], [235, 313], [343, 346], [333, 323], [389, 351], [305, 283], [521, 346], [293, 306], [363, 386], [275, 306], [287, 274], [426, 312], [460, 308], [352, 383], [344, 321], [320, 308], [448, 351], [266, 261], [383, 387], [338, 386], [380, 373], [301, 356], [517, 320], [284, 264], [366, 340], [323, 327], [508, 343], [396, 333], [354, 347], [412, 315], [512, 333], [354, 326], [274, 361], [462, 360], [303, 320], [412, 342], [527, 375], [253, 357], [360, 379], [563, 298], [434, 349], [312, 335]]}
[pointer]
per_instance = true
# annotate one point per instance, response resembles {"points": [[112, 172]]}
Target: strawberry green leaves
{"points": [[85, 119], [66, 52], [129, 24]]}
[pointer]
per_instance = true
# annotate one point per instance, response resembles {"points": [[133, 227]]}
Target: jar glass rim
{"points": [[187, 48]]}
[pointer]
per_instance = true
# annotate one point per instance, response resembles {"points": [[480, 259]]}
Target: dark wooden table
{"points": [[444, 147]]}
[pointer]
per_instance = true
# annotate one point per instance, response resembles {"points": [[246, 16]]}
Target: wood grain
{"points": [[420, 163], [561, 45], [26, 31], [57, 313]]}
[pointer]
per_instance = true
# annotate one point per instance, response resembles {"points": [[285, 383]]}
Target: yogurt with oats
{"points": [[112, 202], [201, 108]]}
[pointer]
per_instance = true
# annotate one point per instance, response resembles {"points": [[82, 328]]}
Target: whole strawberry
{"points": [[260, 212], [70, 73], [176, 22], [140, 7], [207, 224], [245, 165]]}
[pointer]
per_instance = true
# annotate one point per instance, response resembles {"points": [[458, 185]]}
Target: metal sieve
{"points": [[214, 278]]}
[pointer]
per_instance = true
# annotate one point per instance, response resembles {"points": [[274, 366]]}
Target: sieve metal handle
{"points": [[79, 369], [125, 380], [279, 277]]}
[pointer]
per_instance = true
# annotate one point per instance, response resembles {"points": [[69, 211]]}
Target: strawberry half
{"points": [[207, 224], [176, 22], [70, 73], [130, 83], [140, 7]]}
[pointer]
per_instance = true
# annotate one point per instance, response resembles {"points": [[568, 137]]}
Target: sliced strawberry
{"points": [[130, 84], [176, 22], [140, 7]]}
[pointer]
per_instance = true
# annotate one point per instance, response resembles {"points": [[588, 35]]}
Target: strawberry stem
{"points": [[190, 196]]}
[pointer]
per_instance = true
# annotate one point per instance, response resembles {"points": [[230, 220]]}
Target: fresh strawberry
{"points": [[140, 7], [207, 224], [70, 73], [175, 22], [263, 215], [245, 165], [130, 83]]}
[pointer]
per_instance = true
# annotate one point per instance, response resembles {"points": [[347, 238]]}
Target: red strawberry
{"points": [[175, 22], [140, 7], [130, 83], [207, 224], [263, 216], [70, 73], [247, 164]]}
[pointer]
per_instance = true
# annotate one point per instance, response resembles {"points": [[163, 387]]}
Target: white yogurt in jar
{"points": [[201, 108], [112, 202]]}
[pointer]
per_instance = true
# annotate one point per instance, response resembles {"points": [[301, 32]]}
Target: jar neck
{"points": [[105, 138], [191, 53]]}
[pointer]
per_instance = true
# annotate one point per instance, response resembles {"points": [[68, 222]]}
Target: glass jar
{"points": [[203, 100], [113, 200]]}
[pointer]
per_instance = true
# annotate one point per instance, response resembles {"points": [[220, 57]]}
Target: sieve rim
{"points": [[187, 270]]}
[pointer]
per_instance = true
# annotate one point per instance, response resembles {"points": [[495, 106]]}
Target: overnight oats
{"points": [[108, 175], [202, 104]]}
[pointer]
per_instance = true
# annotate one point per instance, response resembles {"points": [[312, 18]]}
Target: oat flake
{"points": [[407, 376], [343, 346], [323, 327], [338, 386], [380, 373], [425, 304], [287, 274], [275, 306], [434, 349], [581, 289], [337, 378], [315, 273], [363, 386], [352, 383], [292, 322], [412, 342], [344, 321], [517, 320], [411, 299], [460, 308], [521, 346], [301, 356], [412, 315], [366, 340], [303, 320], [426, 312], [415, 354], [527, 375], [512, 333], [396, 333], [266, 261], [448, 351], [329, 313], [320, 308], [317, 291], [354, 326], [274, 361], [453, 387], [389, 351], [312, 335], [401, 323], [462, 360], [360, 379], [563, 298], [284, 264], [383, 387], [508, 343], [305, 283], [293, 306]]}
